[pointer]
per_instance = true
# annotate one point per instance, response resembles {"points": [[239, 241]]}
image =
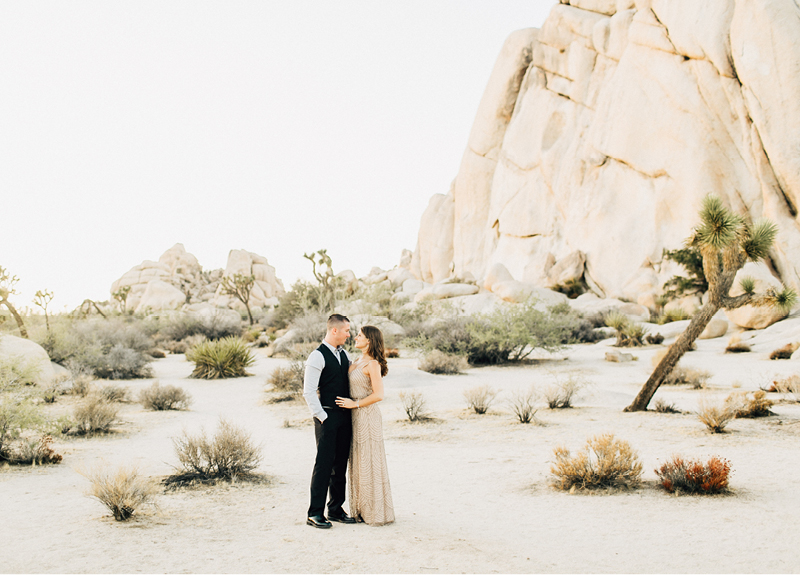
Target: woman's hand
{"points": [[346, 402]]}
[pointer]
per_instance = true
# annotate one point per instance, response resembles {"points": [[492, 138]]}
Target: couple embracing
{"points": [[343, 397]]}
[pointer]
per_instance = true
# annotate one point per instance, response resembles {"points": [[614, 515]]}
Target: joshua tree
{"points": [[239, 286], [43, 299], [7, 283], [726, 242], [326, 279], [121, 295]]}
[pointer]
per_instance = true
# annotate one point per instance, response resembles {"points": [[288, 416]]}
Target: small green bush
{"points": [[220, 359], [179, 326], [115, 393], [168, 397]]}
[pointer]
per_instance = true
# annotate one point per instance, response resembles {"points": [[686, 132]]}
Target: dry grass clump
{"points": [[288, 379], [115, 393], [560, 394], [414, 405], [391, 352], [443, 363], [749, 404], [56, 389], [693, 476], [680, 375], [480, 398], [230, 454], [220, 359], [603, 462], [523, 404], [661, 406], [735, 345], [715, 416], [788, 385], [94, 415], [784, 352], [168, 397], [82, 384], [123, 490]]}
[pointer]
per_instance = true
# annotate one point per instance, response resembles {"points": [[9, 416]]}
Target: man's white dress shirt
{"points": [[314, 366]]}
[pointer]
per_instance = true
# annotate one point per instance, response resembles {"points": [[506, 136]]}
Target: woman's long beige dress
{"points": [[370, 494]]}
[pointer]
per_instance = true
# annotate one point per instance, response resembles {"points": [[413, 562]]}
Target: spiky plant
{"points": [[726, 242], [222, 358], [618, 322]]}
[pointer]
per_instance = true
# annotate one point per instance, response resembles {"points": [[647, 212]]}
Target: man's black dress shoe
{"points": [[341, 517], [318, 521]]}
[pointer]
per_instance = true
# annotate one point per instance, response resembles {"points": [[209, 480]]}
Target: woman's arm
{"points": [[374, 369]]}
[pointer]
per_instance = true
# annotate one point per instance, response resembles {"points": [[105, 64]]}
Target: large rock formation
{"points": [[177, 278], [267, 286], [598, 136]]}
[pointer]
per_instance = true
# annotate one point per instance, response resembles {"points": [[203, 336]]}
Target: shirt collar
{"points": [[333, 349]]}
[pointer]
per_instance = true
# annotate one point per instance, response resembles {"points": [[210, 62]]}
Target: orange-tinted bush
{"points": [[693, 476]]}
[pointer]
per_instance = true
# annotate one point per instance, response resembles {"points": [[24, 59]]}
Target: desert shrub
{"points": [[115, 393], [571, 288], [789, 385], [784, 352], [55, 389], [288, 379], [110, 348], [215, 325], [174, 347], [697, 378], [523, 404], [94, 415], [82, 384], [122, 491], [509, 333], [560, 394], [715, 416], [224, 358], [737, 346], [392, 352], [36, 451], [693, 476], [674, 314], [168, 397], [157, 353], [579, 328], [661, 406], [17, 371], [229, 454], [654, 338], [18, 416], [603, 462], [439, 362], [310, 327], [414, 405], [749, 405], [629, 333], [480, 398]]}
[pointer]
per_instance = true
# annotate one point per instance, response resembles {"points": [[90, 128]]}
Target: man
{"points": [[326, 379]]}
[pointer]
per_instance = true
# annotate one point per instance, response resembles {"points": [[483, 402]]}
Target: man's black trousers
{"points": [[333, 449]]}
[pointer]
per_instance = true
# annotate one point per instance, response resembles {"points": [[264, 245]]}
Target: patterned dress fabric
{"points": [[370, 494]]}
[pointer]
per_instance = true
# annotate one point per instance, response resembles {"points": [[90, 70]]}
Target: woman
{"points": [[370, 495]]}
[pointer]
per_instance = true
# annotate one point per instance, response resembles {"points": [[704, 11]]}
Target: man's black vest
{"points": [[333, 381]]}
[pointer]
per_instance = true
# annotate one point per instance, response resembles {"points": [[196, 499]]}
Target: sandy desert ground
{"points": [[471, 492]]}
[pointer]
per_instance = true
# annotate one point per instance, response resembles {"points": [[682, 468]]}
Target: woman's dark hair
{"points": [[376, 348]]}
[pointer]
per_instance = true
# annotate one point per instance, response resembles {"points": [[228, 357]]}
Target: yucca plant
{"points": [[726, 242], [220, 359]]}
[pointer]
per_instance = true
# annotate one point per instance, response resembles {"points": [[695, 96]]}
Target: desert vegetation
{"points": [[693, 476], [479, 399], [604, 461], [122, 490], [220, 359], [164, 398]]}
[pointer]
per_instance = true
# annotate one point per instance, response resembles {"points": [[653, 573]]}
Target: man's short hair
{"points": [[337, 320]]}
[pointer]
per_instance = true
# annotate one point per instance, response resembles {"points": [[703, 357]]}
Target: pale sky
{"points": [[279, 127]]}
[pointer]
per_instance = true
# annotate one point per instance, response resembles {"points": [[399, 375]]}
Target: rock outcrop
{"points": [[267, 287], [178, 279], [599, 134]]}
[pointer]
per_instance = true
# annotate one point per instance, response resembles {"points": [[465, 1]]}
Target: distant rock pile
{"points": [[177, 279], [598, 136]]}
